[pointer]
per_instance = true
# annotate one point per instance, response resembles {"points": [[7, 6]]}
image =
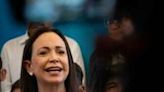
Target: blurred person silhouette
{"points": [[2, 73], [112, 64], [108, 70], [121, 26], [79, 75], [12, 52], [16, 87], [47, 63]]}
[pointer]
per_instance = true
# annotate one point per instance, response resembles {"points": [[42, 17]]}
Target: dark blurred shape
{"points": [[32, 26], [16, 86], [0, 63], [79, 73], [141, 10], [144, 63], [130, 47], [133, 52], [17, 8], [121, 26]]}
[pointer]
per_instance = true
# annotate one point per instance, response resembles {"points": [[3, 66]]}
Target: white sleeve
{"points": [[6, 84], [80, 62], [77, 57]]}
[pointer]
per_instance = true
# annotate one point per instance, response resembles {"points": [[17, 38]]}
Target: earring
{"points": [[31, 74]]}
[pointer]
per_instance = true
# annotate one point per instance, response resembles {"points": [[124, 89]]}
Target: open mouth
{"points": [[53, 69]]}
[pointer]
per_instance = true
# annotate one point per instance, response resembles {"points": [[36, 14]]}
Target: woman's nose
{"points": [[53, 57]]}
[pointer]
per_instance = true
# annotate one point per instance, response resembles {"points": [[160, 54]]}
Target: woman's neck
{"points": [[51, 88]]}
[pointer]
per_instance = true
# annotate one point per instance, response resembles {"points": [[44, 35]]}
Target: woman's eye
{"points": [[43, 53], [61, 52]]}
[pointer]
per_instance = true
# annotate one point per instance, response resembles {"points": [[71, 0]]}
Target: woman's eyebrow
{"points": [[47, 48], [58, 47]]}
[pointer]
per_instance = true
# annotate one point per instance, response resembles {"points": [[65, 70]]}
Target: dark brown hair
{"points": [[15, 85], [0, 63], [79, 73]]}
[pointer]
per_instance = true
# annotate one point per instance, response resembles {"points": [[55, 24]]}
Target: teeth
{"points": [[53, 69]]}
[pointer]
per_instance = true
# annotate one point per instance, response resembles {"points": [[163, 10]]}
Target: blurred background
{"points": [[83, 20]]}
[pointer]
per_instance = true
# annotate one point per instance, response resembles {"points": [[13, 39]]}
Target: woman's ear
{"points": [[2, 74], [27, 65]]}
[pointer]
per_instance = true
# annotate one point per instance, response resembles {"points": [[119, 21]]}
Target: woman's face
{"points": [[49, 62]]}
